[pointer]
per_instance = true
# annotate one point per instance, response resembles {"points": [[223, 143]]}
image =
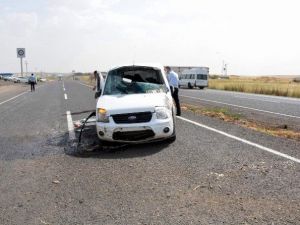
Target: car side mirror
{"points": [[98, 94]]}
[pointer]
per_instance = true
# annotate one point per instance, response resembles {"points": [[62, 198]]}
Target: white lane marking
{"points": [[85, 85], [242, 140], [23, 93], [256, 99], [295, 100], [64, 89], [243, 107], [70, 126], [66, 97]]}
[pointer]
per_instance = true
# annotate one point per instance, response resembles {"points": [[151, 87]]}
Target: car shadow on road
{"points": [[114, 152], [92, 147]]}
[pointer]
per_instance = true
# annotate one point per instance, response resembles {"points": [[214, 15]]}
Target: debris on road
{"points": [[218, 175], [56, 182]]}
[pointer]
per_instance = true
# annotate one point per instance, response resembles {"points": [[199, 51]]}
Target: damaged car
{"points": [[135, 106]]}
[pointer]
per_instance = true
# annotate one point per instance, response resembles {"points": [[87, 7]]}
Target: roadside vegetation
{"points": [[278, 86], [87, 79], [228, 116]]}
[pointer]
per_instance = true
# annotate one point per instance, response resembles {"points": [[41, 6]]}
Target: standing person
{"points": [[99, 82], [32, 81], [174, 85]]}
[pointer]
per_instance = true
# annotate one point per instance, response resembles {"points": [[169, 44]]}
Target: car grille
{"points": [[142, 117], [133, 135]]}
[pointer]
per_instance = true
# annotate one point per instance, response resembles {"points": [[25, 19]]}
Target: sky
{"points": [[255, 37]]}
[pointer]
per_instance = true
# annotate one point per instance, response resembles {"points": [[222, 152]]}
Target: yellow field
{"points": [[87, 79], [279, 86]]}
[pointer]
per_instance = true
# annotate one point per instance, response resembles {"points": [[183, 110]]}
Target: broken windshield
{"points": [[134, 80]]}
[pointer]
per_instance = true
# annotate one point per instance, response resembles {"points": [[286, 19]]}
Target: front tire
{"points": [[173, 136]]}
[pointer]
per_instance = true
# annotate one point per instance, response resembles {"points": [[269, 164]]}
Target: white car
{"points": [[16, 79], [136, 106]]}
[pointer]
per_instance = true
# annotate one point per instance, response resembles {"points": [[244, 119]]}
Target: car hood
{"points": [[119, 104]]}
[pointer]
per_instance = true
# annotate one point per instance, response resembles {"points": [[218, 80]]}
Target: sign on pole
{"points": [[21, 55], [21, 52]]}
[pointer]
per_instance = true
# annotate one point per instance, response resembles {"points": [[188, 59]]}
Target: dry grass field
{"points": [[279, 86]]}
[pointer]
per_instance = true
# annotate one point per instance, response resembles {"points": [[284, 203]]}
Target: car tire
{"points": [[173, 136], [201, 88], [190, 86]]}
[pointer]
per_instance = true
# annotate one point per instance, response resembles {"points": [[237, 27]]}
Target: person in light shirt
{"points": [[173, 82], [32, 81]]}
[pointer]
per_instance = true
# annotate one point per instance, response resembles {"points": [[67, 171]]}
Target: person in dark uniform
{"points": [[99, 83]]}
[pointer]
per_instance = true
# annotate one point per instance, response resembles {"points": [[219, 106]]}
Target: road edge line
{"points": [[242, 140], [239, 106], [23, 93], [85, 84]]}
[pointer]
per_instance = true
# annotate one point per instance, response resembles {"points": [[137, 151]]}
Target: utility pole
{"points": [[21, 59], [26, 63], [224, 69]]}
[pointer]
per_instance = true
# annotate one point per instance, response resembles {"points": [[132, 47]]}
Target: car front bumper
{"points": [[137, 132]]}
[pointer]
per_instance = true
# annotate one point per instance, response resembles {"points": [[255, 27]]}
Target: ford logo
{"points": [[132, 118]]}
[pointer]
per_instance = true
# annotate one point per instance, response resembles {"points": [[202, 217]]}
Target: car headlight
{"points": [[102, 116], [162, 113]]}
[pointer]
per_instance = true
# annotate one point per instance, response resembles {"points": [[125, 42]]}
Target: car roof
{"points": [[153, 65]]}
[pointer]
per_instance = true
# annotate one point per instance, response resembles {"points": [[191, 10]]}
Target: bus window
{"points": [[201, 76]]}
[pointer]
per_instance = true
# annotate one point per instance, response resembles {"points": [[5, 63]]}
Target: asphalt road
{"points": [[215, 173], [273, 110]]}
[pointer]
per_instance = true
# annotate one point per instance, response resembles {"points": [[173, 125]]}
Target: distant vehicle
{"points": [[60, 77], [196, 77], [16, 79], [23, 80], [43, 80], [135, 105], [6, 76]]}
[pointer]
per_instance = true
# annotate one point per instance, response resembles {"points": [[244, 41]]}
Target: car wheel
{"points": [[190, 86]]}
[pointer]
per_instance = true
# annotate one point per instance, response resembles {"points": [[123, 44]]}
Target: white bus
{"points": [[196, 77]]}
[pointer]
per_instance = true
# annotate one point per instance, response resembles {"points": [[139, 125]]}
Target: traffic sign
{"points": [[21, 52]]}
